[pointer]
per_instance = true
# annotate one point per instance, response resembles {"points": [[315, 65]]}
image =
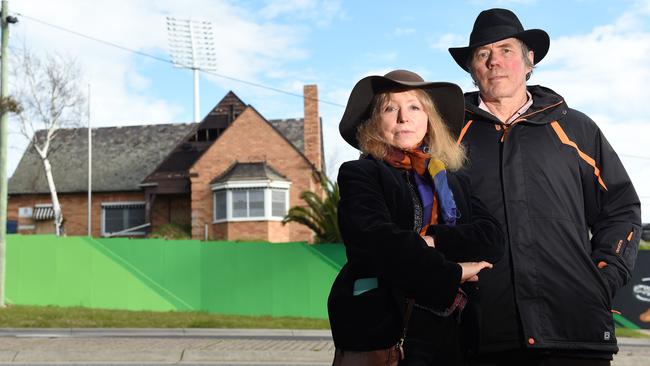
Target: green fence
{"points": [[290, 279]]}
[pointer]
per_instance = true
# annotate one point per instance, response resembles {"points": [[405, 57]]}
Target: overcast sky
{"points": [[599, 58]]}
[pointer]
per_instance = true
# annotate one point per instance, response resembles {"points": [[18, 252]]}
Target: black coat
{"points": [[552, 179], [376, 218]]}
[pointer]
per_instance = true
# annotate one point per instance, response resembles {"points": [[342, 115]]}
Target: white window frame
{"points": [[266, 185], [123, 203]]}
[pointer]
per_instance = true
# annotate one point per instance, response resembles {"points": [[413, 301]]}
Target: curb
{"points": [[298, 334], [641, 342]]}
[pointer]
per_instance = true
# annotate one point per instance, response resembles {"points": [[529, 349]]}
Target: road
{"points": [[173, 346], [197, 347]]}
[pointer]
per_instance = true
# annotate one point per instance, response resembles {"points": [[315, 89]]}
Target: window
{"points": [[220, 205], [213, 133], [245, 202], [278, 202], [239, 203], [255, 203], [120, 216]]}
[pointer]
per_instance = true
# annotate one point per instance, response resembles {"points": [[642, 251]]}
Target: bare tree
{"points": [[49, 97]]}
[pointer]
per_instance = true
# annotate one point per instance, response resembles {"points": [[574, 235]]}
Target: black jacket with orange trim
{"points": [[572, 222]]}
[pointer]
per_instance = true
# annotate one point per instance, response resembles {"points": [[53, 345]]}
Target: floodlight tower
{"points": [[191, 45]]}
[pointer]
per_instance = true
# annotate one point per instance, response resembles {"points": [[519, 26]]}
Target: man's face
{"points": [[499, 70]]}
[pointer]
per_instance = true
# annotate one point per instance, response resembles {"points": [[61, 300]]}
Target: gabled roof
{"points": [[122, 157], [249, 171], [191, 148], [293, 130], [229, 107], [126, 157], [291, 143]]}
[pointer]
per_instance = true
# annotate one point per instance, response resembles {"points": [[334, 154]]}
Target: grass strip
{"points": [[21, 316]]}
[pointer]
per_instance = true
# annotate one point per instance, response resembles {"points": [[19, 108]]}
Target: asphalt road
{"points": [[197, 347], [164, 347]]}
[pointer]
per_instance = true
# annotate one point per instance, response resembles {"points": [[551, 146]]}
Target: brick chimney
{"points": [[312, 129]]}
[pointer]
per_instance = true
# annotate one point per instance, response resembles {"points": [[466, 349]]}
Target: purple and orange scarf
{"points": [[433, 187], [431, 181]]}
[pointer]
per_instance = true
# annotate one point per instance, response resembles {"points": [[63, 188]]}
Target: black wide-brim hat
{"points": [[498, 24], [447, 97]]}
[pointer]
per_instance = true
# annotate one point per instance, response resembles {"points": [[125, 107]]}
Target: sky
{"points": [[266, 51]]}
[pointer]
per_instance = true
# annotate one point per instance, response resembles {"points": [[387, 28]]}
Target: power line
{"points": [[95, 39], [168, 61]]}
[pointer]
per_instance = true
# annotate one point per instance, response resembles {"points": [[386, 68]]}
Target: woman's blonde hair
{"points": [[438, 138]]}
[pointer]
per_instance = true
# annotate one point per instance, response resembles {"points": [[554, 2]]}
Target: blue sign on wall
{"points": [[12, 227]]}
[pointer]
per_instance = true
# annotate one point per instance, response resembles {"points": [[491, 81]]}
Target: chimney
{"points": [[312, 127]]}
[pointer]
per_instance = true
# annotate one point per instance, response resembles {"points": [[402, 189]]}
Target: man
{"points": [[570, 212]]}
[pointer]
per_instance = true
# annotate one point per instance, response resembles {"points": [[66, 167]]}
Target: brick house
{"points": [[233, 176]]}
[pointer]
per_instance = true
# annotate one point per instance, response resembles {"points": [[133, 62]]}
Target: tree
{"points": [[49, 97], [320, 214]]}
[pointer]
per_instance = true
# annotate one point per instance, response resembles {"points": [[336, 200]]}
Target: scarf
{"points": [[431, 181], [436, 197]]}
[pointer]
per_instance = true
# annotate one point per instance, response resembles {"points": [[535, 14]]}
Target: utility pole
{"points": [[4, 94], [90, 171]]}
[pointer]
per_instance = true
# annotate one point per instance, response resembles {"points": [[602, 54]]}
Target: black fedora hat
{"points": [[447, 97], [494, 25]]}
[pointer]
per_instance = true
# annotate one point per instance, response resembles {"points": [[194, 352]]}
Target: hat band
{"points": [[492, 34]]}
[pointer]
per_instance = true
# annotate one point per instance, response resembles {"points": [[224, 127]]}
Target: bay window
{"points": [[250, 201]]}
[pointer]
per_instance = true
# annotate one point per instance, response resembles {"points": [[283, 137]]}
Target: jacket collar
{"points": [[548, 106]]}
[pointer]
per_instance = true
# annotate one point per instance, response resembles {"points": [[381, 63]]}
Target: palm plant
{"points": [[321, 214]]}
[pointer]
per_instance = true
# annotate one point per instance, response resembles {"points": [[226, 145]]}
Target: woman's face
{"points": [[403, 120]]}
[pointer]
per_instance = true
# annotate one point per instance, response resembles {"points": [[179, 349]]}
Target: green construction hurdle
{"points": [[291, 279]]}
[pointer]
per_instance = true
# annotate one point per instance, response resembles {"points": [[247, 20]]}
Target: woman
{"points": [[411, 229]]}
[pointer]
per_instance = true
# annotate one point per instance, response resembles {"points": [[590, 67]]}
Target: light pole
{"points": [[90, 171], [5, 20], [191, 45]]}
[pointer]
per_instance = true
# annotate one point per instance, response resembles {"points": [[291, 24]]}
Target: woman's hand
{"points": [[429, 240], [471, 270]]}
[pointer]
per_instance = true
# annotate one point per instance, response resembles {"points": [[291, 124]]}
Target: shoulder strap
{"points": [[407, 317]]}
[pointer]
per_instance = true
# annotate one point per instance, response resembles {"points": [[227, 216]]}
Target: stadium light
{"points": [[191, 45]]}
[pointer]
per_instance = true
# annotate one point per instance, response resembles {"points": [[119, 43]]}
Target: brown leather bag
{"points": [[382, 357], [390, 356]]}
